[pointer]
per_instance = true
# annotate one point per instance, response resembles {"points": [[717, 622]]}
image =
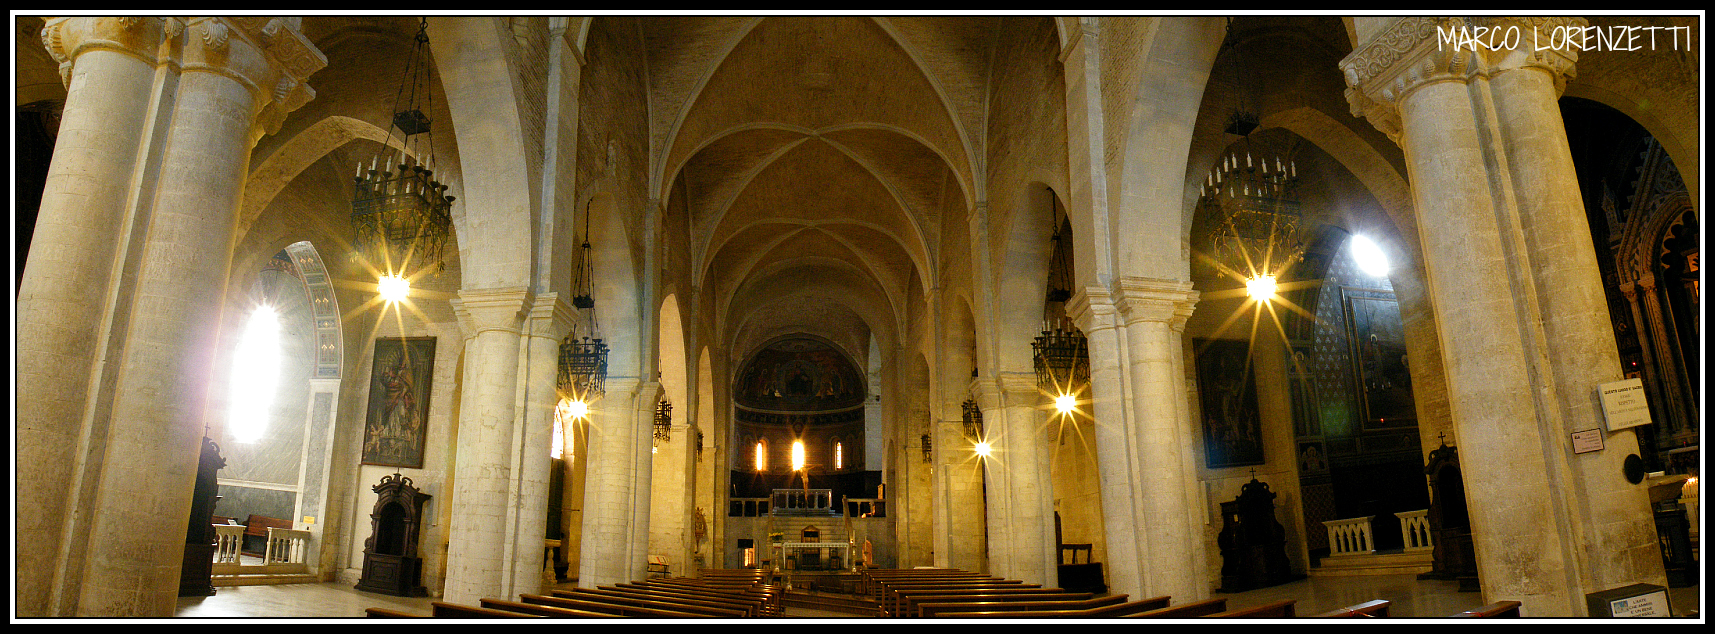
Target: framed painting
{"points": [[397, 422], [1379, 362], [1226, 381]]}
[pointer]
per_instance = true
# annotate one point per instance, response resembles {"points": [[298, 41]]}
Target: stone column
{"points": [[1021, 502], [116, 103], [1170, 515], [238, 79], [610, 488], [549, 320], [481, 534], [1525, 336], [1116, 455], [674, 483]]}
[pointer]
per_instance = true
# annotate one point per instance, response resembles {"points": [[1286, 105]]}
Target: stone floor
{"points": [[1411, 599]]}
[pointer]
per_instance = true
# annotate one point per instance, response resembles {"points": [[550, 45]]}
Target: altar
{"points": [[812, 555]]}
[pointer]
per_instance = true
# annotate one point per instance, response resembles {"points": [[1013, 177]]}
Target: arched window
{"points": [[797, 455], [762, 454], [255, 375], [839, 454]]}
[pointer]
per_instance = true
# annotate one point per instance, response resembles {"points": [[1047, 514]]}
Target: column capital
{"points": [[1147, 299], [65, 38], [480, 310], [1415, 51], [1092, 309], [267, 55], [550, 317], [1010, 389]]}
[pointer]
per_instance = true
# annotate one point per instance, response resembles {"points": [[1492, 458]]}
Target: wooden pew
{"points": [[385, 613], [721, 609], [770, 595], [891, 597], [1497, 609], [1276, 610], [753, 605], [1015, 604], [1376, 608], [1118, 610], [905, 600], [910, 604], [544, 610], [1183, 610], [257, 526], [609, 607], [456, 611]]}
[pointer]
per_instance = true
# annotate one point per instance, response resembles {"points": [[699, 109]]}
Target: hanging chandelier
{"points": [[1253, 196], [400, 213], [583, 355], [1061, 353], [663, 421], [973, 420]]}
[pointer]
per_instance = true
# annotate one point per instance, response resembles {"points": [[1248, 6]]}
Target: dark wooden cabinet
{"points": [[390, 561], [1253, 544], [1450, 521]]}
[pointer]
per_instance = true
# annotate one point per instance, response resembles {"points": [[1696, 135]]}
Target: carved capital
{"points": [[497, 309], [1142, 299], [140, 37], [268, 56], [1536, 49], [1092, 309], [550, 317]]}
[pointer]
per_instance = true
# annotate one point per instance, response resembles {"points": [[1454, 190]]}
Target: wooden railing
{"points": [[1415, 526], [1350, 536]]}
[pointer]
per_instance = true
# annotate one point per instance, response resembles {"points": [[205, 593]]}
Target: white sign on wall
{"points": [[1623, 404]]}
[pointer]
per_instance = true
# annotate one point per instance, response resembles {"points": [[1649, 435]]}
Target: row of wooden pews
{"points": [[718, 594], [951, 593]]}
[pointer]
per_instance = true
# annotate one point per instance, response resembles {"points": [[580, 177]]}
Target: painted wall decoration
{"points": [[799, 375], [397, 424], [1383, 371], [1232, 426]]}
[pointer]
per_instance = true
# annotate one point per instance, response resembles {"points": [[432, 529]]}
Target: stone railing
{"points": [[747, 507], [865, 507], [1415, 526], [803, 501], [286, 546], [228, 539], [1350, 536]]}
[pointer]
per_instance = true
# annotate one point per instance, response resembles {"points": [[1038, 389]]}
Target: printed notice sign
{"points": [[1652, 604], [1586, 441], [1623, 404]]}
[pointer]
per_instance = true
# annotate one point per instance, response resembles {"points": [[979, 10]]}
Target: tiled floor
{"points": [[1411, 599]]}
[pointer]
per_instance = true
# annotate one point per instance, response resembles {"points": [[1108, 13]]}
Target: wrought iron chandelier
{"points": [[1061, 353], [973, 420], [583, 359], [663, 421], [399, 211], [1252, 195]]}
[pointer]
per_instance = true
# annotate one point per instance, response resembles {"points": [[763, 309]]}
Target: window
{"points": [[839, 455], [762, 454], [255, 375]]}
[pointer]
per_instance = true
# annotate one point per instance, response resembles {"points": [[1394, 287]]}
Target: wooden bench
{"points": [[1119, 610], [1376, 608], [456, 611], [753, 605], [385, 613], [1499, 608], [545, 610], [768, 593], [892, 598], [609, 607], [657, 603], [910, 605], [903, 600], [1183, 610], [1016, 604], [257, 526], [1276, 610]]}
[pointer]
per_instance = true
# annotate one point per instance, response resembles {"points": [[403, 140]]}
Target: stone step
{"points": [[264, 579], [1382, 563]]}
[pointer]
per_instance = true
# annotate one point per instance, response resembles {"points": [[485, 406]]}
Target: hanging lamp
{"points": [[1061, 353], [400, 213], [583, 355]]}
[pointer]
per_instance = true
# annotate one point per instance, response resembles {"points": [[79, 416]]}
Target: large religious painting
{"points": [[397, 425], [1382, 369], [1232, 426]]}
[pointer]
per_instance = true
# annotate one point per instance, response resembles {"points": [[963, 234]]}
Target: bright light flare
{"points": [[1369, 256], [1065, 403], [393, 288], [797, 455], [255, 375], [983, 448], [575, 409], [1261, 287]]}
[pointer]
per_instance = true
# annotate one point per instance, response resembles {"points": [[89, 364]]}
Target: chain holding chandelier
{"points": [[583, 355], [1061, 353], [1252, 195], [400, 213]]}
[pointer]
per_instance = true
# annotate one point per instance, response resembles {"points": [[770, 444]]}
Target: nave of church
{"points": [[471, 307]]}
